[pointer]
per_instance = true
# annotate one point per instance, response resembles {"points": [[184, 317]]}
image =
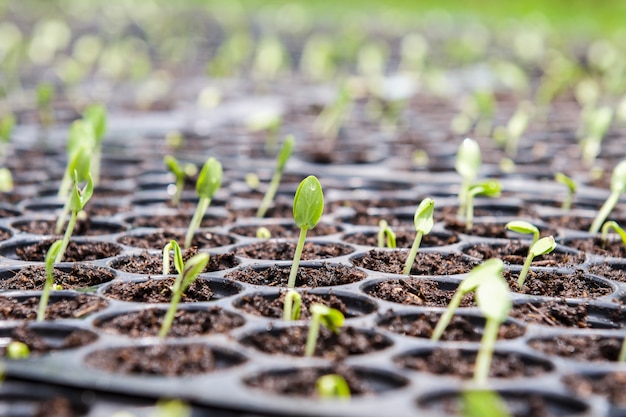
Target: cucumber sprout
{"points": [[281, 160], [330, 318], [292, 305], [209, 181], [423, 222], [618, 186], [541, 247]]}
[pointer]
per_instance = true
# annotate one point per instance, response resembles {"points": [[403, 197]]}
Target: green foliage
{"points": [[386, 235], [488, 188], [330, 318], [17, 350], [468, 160], [332, 386], [541, 247], [180, 173], [525, 228], [423, 222], [6, 180], [96, 114], [617, 228], [178, 257], [618, 186], [208, 183], [483, 403], [571, 189], [7, 124], [77, 201], [263, 233], [281, 160], [292, 305], [51, 255]]}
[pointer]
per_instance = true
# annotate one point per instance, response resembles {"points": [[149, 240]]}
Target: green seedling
{"points": [[180, 172], [6, 180], [541, 247], [188, 272], [597, 126], [78, 199], [263, 233], [494, 300], [516, 127], [330, 318], [483, 402], [332, 387], [51, 255], [45, 95], [97, 115], [308, 206], [81, 138], [468, 285], [489, 188], [617, 228], [467, 165], [17, 350], [386, 235], [525, 228], [317, 59], [172, 245], [80, 165], [292, 305], [423, 222], [618, 186], [281, 160], [571, 189], [209, 181], [170, 408], [252, 181], [270, 59], [332, 117], [7, 124]]}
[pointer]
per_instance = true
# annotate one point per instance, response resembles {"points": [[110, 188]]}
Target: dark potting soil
{"points": [[84, 227], [176, 221], [4, 235], [585, 348], [158, 291], [301, 382], [614, 248], [461, 328], [277, 211], [426, 263], [146, 263], [56, 407], [330, 345], [284, 251], [275, 276], [281, 231], [461, 363], [556, 284], [33, 277], [418, 292], [404, 239], [76, 252], [514, 252], [478, 229], [105, 210], [38, 344], [557, 313], [610, 385], [273, 307], [395, 221], [160, 359], [614, 272], [148, 322], [158, 240], [60, 308]]}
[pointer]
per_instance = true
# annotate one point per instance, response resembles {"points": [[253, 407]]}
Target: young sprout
{"points": [[618, 186], [483, 402], [423, 222], [80, 139], [489, 188], [188, 272], [330, 119], [330, 318], [17, 350], [468, 161], [516, 127], [332, 386], [180, 173], [97, 115], [308, 206], [292, 305], [494, 300], [541, 247], [209, 181], [51, 255], [45, 96], [172, 245], [77, 202], [571, 189], [615, 226], [597, 126], [281, 161], [386, 235], [525, 228], [6, 180], [469, 284], [263, 233]]}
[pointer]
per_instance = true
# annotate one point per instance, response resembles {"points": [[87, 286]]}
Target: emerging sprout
{"points": [[96, 115], [169, 408], [516, 127], [51, 255], [571, 189], [77, 202], [263, 233], [45, 96], [281, 161], [618, 186], [188, 272], [468, 161], [615, 226], [178, 256], [292, 305], [209, 181], [180, 173], [17, 350], [308, 206], [469, 284], [330, 119], [423, 221], [494, 300], [541, 247], [597, 126], [483, 402], [489, 188], [386, 235], [6, 180], [332, 386], [81, 139], [330, 318], [525, 228]]}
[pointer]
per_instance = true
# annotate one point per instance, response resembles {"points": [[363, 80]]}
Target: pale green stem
{"points": [[445, 318], [166, 259], [622, 352], [96, 155], [180, 183], [604, 212], [66, 184], [63, 216], [311, 340], [269, 194], [296, 259], [463, 192], [45, 295], [485, 353], [413, 253], [469, 213], [567, 202], [169, 316], [525, 269], [203, 204], [66, 237]]}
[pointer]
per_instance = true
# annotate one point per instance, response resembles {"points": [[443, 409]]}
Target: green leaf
{"points": [[97, 115], [331, 318], [489, 188], [6, 127], [332, 386], [81, 134], [6, 180], [285, 152], [17, 350], [423, 219], [567, 181], [615, 226], [468, 159], [209, 179], [175, 168], [178, 257], [543, 246], [489, 268], [193, 268], [525, 228], [51, 255], [80, 197], [308, 203], [481, 403], [618, 178], [292, 305], [493, 298]]}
